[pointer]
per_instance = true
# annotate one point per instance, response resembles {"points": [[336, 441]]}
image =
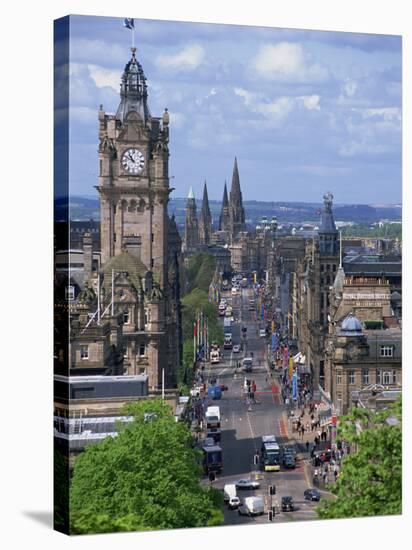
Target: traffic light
{"points": [[272, 489]]}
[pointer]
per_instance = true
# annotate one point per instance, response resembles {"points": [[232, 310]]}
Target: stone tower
{"points": [[133, 185], [328, 256], [224, 220], [236, 210], [205, 221], [191, 239], [133, 176]]}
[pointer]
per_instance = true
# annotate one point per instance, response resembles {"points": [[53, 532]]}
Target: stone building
{"points": [[191, 237], [136, 309]]}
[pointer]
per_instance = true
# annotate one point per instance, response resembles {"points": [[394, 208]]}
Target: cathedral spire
{"points": [[236, 211], [224, 213], [133, 90], [205, 222], [191, 238]]}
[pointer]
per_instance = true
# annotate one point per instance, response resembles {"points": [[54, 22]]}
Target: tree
{"points": [[370, 482], [145, 478]]}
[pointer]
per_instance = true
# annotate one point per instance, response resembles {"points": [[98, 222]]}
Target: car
{"points": [[233, 503], [287, 504], [311, 494], [262, 333], [236, 348], [247, 483]]}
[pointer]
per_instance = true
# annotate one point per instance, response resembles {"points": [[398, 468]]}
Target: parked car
{"points": [[289, 461], [311, 494], [233, 503], [262, 333], [247, 484], [236, 348], [287, 504]]}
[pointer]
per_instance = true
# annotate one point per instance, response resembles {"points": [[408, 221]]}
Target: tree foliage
{"points": [[145, 478], [370, 482], [200, 272]]}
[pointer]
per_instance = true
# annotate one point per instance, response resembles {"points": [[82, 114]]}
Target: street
{"points": [[243, 425]]}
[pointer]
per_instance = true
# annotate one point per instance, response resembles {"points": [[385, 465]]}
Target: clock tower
{"points": [[133, 176]]}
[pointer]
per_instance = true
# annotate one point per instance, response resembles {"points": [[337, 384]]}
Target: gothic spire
{"points": [[328, 234], [224, 213], [236, 211], [191, 237], [205, 222], [133, 90]]}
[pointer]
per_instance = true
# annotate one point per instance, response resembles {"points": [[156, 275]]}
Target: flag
{"points": [[290, 367], [295, 386], [128, 23], [274, 342]]}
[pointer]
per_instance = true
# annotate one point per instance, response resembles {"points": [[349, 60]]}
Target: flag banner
{"points": [[295, 385], [274, 342], [128, 23], [290, 367]]}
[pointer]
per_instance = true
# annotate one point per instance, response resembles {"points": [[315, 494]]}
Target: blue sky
{"points": [[303, 111]]}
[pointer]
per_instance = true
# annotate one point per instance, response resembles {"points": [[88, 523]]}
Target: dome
{"points": [[351, 326]]}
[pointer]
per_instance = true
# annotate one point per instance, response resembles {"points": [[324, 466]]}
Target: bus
{"points": [[270, 454], [247, 364], [212, 459]]}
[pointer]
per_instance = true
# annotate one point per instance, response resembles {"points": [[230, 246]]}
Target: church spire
{"points": [[133, 90], [191, 238], [236, 210], [224, 213], [205, 222], [328, 234]]}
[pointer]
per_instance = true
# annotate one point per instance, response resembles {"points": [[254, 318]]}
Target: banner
{"points": [[274, 342], [290, 367], [285, 356], [294, 385]]}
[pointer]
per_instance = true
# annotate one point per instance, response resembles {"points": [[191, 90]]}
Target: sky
{"points": [[303, 111]]}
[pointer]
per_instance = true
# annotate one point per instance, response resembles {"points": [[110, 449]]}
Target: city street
{"points": [[243, 425]]}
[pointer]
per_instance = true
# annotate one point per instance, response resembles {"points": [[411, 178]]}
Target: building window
{"points": [[394, 377], [101, 167], [351, 377], [389, 377], [365, 377], [152, 237], [327, 267], [386, 351], [146, 317], [334, 267], [70, 293], [126, 317], [142, 349], [339, 378], [378, 376], [322, 267], [152, 262], [125, 352], [84, 352]]}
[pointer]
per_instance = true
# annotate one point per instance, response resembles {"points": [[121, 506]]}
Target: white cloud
{"points": [[103, 77], [287, 61], [279, 108], [387, 113], [349, 88], [187, 59]]}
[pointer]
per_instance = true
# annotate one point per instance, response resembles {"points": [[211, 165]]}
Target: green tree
{"points": [[148, 477], [370, 482]]}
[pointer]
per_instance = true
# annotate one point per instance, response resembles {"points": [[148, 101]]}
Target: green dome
{"points": [[125, 262]]}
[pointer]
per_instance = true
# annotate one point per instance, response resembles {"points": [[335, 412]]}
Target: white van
{"points": [[252, 506], [229, 490]]}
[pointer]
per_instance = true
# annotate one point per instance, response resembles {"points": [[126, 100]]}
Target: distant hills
{"points": [[86, 208]]}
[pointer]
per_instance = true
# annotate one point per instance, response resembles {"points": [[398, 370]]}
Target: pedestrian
{"points": [[307, 446], [319, 435], [312, 417], [324, 475], [326, 479], [307, 426]]}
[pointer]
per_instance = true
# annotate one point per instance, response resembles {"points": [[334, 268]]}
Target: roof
{"points": [[351, 326], [126, 262]]}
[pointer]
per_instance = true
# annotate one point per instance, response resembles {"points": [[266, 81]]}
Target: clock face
{"points": [[133, 161]]}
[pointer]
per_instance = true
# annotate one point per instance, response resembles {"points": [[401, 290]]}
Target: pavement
{"points": [[243, 425]]}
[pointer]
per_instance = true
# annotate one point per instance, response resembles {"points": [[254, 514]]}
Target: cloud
{"points": [[188, 59], [103, 77], [279, 108], [387, 113], [287, 61]]}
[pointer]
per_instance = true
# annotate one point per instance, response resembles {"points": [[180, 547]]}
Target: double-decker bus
{"points": [[270, 454]]}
